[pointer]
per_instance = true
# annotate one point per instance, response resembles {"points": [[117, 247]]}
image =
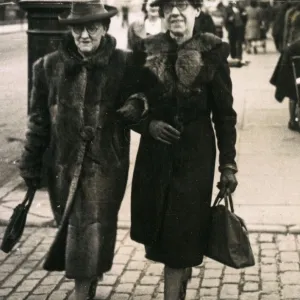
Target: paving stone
{"points": [[119, 296], [291, 291], [44, 289], [58, 295], [213, 265], [270, 287], [37, 274], [285, 246], [232, 271], [270, 297], [290, 277], [143, 297], [250, 296], [269, 276], [266, 238], [116, 270], [28, 285], [103, 292], [191, 294], [135, 265], [268, 260], [229, 291], [130, 276], [124, 288], [194, 283], [230, 278], [37, 297], [251, 278], [268, 246], [155, 269], [145, 290], [288, 267], [5, 291], [121, 259], [126, 250], [251, 287], [52, 279], [213, 273], [12, 281], [269, 252], [109, 280], [210, 283], [289, 257], [17, 296], [67, 286], [208, 292], [150, 280], [268, 268]]}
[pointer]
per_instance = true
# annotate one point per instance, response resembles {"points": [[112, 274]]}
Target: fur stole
{"points": [[195, 61]]}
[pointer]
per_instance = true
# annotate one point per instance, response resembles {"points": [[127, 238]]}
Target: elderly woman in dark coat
{"points": [[76, 93], [174, 171]]}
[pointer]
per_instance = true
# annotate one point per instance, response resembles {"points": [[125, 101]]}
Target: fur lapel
{"points": [[184, 66]]}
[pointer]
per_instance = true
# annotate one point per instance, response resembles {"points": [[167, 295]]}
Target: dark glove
{"points": [[228, 182], [33, 183], [163, 132], [133, 110]]}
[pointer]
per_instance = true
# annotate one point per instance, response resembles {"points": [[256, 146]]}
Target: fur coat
{"points": [[172, 184], [74, 101]]}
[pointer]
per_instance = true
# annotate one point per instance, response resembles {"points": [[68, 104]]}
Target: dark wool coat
{"points": [[172, 184], [69, 95], [204, 23], [283, 77]]}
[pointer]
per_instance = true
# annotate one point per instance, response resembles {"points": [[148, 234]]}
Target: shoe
{"points": [[294, 126], [187, 277], [255, 50], [92, 289]]}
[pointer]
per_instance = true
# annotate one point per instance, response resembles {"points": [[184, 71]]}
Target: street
{"points": [[267, 198]]}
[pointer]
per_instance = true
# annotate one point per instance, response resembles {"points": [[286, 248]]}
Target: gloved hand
{"points": [[132, 110], [33, 183], [227, 182], [163, 132]]}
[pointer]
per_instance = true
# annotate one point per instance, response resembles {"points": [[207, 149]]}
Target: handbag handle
{"points": [[227, 199], [28, 198]]}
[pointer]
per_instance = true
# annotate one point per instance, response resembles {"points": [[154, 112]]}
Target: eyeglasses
{"points": [[180, 5], [90, 28]]}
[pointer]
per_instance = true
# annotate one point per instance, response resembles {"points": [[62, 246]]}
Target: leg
{"points": [[82, 287], [175, 283], [293, 125], [232, 44]]}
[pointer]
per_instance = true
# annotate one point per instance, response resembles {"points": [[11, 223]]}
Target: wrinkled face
{"points": [[180, 17], [88, 36], [152, 11]]}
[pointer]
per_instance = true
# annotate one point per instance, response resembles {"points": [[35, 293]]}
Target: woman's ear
{"points": [[198, 11]]}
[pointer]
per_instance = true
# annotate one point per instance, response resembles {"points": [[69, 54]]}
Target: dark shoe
{"points": [[294, 126], [187, 277], [255, 50], [92, 290]]}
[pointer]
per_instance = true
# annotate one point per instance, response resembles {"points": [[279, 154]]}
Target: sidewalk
{"points": [[11, 28], [276, 275]]}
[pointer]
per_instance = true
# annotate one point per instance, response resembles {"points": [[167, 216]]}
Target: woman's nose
{"points": [[175, 11], [84, 33]]}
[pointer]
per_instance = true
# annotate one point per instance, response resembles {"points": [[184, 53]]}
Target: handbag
{"points": [[16, 223], [228, 241]]}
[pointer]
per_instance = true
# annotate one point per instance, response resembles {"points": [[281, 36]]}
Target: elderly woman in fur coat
{"points": [[174, 171], [76, 93]]}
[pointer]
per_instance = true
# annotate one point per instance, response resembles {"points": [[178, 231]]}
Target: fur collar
{"points": [[163, 43], [73, 60]]}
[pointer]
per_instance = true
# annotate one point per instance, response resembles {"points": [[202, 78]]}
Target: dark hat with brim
{"points": [[88, 11]]}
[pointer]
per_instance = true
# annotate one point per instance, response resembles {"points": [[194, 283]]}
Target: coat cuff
{"points": [[232, 167]]}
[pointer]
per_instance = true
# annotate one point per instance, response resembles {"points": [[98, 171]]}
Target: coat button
{"points": [[87, 133]]}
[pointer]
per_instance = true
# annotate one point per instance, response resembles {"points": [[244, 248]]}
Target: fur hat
{"points": [[194, 3], [88, 11]]}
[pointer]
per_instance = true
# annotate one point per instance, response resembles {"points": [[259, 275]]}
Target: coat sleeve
{"points": [[38, 131], [223, 115]]}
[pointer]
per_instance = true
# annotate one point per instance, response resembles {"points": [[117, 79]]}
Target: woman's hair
{"points": [[106, 24], [144, 10], [253, 3]]}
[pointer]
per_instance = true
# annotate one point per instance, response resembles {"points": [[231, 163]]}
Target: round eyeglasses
{"points": [[180, 5], [90, 28]]}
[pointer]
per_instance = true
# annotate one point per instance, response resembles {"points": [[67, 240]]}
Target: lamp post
{"points": [[44, 31]]}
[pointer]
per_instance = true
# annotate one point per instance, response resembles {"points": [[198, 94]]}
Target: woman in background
{"points": [[151, 24]]}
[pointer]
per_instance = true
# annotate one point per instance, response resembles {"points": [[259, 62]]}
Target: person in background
{"points": [[174, 170], [76, 94], [125, 15], [218, 16], [234, 24], [284, 81], [152, 24], [253, 26], [279, 24], [204, 23]]}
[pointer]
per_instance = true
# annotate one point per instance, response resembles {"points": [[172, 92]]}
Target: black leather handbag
{"points": [[17, 222], [228, 241]]}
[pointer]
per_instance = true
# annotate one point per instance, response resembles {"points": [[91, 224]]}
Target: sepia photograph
{"points": [[149, 150]]}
